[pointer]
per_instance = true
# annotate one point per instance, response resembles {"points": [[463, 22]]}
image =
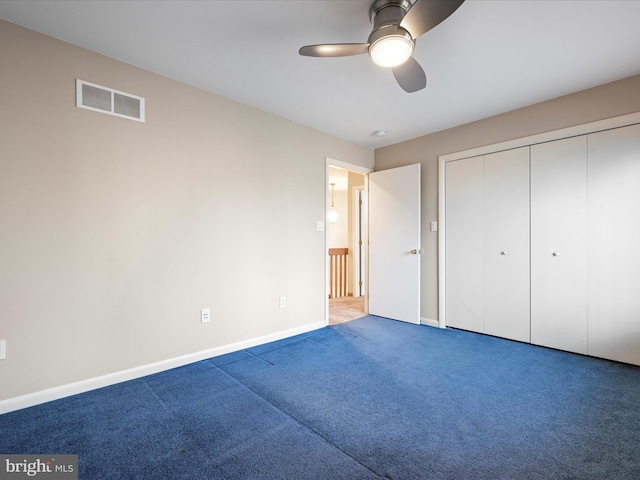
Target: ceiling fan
{"points": [[396, 26]]}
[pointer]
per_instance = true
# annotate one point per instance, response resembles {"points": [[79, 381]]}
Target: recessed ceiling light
{"points": [[379, 133]]}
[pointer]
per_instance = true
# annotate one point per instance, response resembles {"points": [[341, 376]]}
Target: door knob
{"points": [[556, 254], [504, 252], [417, 251]]}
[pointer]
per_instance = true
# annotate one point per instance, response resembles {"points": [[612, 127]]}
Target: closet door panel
{"points": [[506, 245], [464, 232], [559, 244], [614, 244]]}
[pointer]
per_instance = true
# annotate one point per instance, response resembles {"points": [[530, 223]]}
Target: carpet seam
{"points": [[179, 422], [300, 423]]}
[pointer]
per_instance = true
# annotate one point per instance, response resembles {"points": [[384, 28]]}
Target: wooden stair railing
{"points": [[338, 272]]}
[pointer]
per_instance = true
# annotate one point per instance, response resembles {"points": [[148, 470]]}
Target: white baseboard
{"points": [[430, 322], [82, 386]]}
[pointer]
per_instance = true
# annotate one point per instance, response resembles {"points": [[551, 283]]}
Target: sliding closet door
{"points": [[559, 244], [506, 244], [464, 275], [614, 244]]}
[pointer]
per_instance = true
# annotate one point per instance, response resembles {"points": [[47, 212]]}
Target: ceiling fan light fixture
{"points": [[391, 50]]}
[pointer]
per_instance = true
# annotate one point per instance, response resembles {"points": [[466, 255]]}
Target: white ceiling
{"points": [[489, 57]]}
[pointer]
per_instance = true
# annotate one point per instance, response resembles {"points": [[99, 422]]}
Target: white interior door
{"points": [[614, 244], [506, 244], [464, 284], [394, 243], [559, 244]]}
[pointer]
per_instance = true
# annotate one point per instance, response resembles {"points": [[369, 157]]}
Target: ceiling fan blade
{"points": [[426, 14], [410, 76], [334, 50]]}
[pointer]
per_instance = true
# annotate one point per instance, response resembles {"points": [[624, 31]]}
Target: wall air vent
{"points": [[107, 100]]}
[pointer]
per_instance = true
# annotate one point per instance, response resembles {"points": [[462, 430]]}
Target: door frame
{"points": [[583, 129], [365, 171], [360, 230]]}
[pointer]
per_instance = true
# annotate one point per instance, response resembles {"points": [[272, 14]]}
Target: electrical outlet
{"points": [[205, 315], [283, 302], [3, 349]]}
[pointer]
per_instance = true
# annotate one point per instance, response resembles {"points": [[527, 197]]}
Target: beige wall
{"points": [[614, 99], [114, 233]]}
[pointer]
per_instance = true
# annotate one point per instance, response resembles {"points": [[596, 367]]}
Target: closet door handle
{"points": [[556, 254], [504, 252]]}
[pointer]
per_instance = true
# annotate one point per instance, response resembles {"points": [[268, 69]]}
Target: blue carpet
{"points": [[368, 399]]}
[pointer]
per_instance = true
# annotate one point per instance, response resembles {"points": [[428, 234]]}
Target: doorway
{"points": [[346, 244]]}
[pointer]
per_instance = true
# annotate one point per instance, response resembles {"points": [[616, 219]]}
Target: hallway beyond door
{"points": [[345, 309]]}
